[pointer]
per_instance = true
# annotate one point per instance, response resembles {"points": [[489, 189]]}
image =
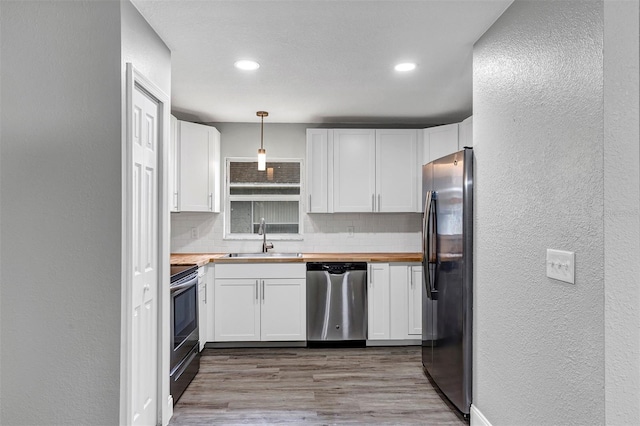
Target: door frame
{"points": [[164, 401]]}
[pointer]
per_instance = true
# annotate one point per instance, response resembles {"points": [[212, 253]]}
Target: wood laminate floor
{"points": [[374, 385]]}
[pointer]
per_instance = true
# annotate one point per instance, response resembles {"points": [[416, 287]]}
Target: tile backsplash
{"points": [[379, 232]]}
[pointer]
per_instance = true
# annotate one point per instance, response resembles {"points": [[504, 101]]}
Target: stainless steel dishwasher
{"points": [[336, 301]]}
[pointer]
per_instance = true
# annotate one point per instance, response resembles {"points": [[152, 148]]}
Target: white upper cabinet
{"points": [[465, 133], [354, 170], [319, 167], [198, 148], [362, 170], [439, 141], [396, 171]]}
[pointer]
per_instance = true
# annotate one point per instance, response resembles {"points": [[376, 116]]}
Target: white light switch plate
{"points": [[561, 265]]}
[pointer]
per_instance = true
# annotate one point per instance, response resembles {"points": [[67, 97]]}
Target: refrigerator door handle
{"points": [[430, 203], [425, 226], [425, 243]]}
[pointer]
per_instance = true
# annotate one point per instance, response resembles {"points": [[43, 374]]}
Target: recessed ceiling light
{"points": [[247, 65], [406, 66]]}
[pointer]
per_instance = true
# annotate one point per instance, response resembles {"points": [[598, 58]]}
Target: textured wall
{"points": [[322, 233], [538, 138], [60, 231], [142, 47], [621, 209], [62, 128]]}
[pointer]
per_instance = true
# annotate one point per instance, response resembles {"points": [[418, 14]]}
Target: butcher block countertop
{"points": [[201, 259], [362, 257]]}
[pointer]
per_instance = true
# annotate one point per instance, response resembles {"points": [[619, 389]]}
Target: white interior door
{"points": [[144, 388]]}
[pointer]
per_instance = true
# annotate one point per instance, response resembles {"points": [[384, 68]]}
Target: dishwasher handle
{"points": [[336, 268]]}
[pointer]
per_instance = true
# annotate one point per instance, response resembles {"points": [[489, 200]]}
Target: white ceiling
{"points": [[322, 61]]}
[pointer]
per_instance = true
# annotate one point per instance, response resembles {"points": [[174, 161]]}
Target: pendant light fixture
{"points": [[262, 153]]}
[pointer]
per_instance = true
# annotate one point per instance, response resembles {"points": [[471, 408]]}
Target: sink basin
{"points": [[272, 255]]}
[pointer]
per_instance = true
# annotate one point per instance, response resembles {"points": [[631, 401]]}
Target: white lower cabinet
{"points": [[205, 304], [378, 301], [260, 302], [395, 301], [202, 306], [406, 301], [283, 311], [237, 310], [210, 293], [415, 302]]}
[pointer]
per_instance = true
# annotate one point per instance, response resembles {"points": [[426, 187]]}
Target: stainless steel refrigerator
{"points": [[447, 290]]}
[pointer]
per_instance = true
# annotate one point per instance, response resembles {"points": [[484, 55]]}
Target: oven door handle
{"points": [[185, 285]]}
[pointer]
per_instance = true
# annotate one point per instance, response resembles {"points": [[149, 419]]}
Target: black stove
{"points": [[185, 355], [180, 271]]}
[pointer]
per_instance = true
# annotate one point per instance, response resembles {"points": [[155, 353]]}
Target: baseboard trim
{"points": [[477, 418], [230, 345], [409, 342]]}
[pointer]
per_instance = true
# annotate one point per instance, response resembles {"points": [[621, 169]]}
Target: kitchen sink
{"points": [[264, 255]]}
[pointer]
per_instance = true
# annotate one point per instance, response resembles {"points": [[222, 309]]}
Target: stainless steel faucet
{"points": [[262, 230]]}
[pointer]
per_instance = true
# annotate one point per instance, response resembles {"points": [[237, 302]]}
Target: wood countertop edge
{"points": [[202, 259], [362, 257], [199, 259]]}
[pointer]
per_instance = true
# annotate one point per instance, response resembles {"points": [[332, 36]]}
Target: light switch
{"points": [[561, 265]]}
